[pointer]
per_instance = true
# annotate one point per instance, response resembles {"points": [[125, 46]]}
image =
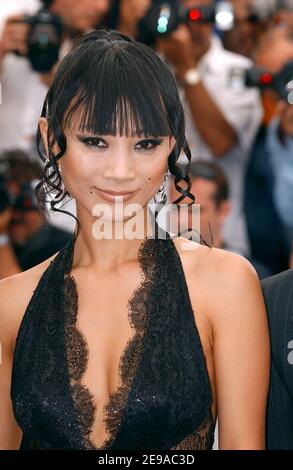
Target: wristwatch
{"points": [[191, 77], [4, 239]]}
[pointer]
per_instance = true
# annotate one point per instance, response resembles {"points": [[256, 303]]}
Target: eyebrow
{"points": [[89, 134]]}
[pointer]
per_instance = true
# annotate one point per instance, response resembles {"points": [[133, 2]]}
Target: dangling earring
{"points": [[62, 183], [161, 196]]}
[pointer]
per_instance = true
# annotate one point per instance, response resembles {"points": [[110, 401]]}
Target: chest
{"points": [[106, 318], [130, 350]]}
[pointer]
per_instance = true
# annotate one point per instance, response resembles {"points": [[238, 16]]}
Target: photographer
{"points": [[221, 121], [254, 18], [25, 238], [242, 38], [24, 89], [269, 170], [280, 129], [280, 144]]}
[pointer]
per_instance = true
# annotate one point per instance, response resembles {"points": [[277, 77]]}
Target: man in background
{"points": [[211, 191], [25, 238], [268, 173]]}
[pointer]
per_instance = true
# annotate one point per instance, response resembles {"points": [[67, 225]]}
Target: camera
{"points": [[26, 200], [163, 17], [44, 40], [262, 79]]}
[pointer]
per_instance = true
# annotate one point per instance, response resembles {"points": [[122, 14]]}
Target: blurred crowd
{"points": [[233, 62]]}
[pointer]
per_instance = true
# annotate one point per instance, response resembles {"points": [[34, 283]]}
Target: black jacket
{"points": [[278, 292]]}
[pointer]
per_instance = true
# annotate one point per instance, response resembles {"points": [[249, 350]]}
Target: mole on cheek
{"points": [[149, 178]]}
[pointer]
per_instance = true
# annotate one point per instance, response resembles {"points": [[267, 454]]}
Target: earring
{"points": [[161, 196], [62, 183]]}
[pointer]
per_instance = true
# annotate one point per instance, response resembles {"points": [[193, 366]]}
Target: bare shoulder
{"points": [[218, 280], [210, 262], [15, 293]]}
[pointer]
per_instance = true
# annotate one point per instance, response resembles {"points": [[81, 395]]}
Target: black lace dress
{"points": [[165, 398]]}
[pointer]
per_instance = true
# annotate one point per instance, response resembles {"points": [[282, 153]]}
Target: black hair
{"points": [[115, 85], [209, 171]]}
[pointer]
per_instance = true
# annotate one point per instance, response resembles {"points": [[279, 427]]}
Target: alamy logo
{"points": [[290, 90], [110, 222], [290, 355]]}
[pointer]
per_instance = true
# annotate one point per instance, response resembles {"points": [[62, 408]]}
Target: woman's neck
{"points": [[106, 252]]}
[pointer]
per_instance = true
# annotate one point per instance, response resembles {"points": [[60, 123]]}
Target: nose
{"points": [[120, 167]]}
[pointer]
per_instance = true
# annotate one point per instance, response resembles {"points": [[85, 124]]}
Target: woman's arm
{"points": [[241, 355], [10, 433]]}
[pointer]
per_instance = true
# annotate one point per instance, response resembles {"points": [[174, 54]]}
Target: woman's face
{"points": [[93, 163]]}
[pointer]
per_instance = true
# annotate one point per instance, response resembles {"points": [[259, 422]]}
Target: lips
{"points": [[110, 195], [115, 193]]}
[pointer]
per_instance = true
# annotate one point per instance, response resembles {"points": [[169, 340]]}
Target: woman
{"points": [[119, 342]]}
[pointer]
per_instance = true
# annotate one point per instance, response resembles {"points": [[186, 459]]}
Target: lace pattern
{"points": [[164, 399], [77, 351], [77, 358], [200, 439]]}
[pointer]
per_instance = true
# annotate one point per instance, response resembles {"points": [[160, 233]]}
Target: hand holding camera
{"points": [[14, 37], [36, 37], [263, 79], [178, 49]]}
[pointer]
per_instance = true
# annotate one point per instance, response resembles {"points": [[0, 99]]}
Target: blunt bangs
{"points": [[115, 89]]}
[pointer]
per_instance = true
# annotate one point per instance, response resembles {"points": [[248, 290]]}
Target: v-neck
{"points": [[166, 402], [77, 350]]}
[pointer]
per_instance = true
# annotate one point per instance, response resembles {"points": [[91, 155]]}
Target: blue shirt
{"points": [[281, 155]]}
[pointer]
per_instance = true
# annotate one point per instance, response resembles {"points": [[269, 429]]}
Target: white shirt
{"points": [[22, 91], [23, 95], [243, 110]]}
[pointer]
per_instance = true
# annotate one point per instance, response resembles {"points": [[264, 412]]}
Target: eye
{"points": [[93, 142], [148, 144]]}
